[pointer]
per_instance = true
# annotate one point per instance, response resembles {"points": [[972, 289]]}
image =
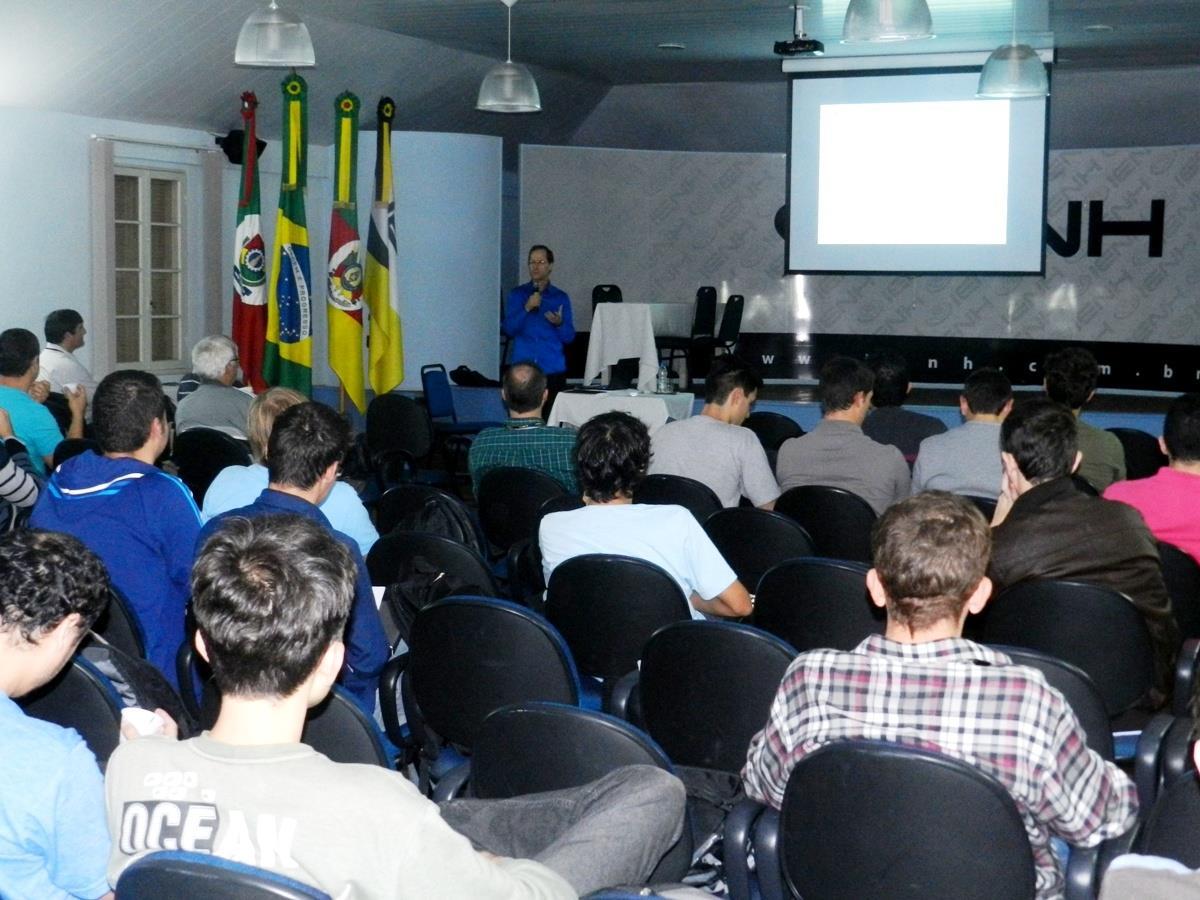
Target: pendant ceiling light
{"points": [[273, 37], [886, 20], [509, 87], [1013, 71]]}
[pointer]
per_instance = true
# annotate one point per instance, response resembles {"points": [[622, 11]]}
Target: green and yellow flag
{"points": [[345, 282], [382, 288], [288, 357]]}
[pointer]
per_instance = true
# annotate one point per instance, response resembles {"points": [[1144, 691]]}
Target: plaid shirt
{"points": [[527, 444], [962, 699]]}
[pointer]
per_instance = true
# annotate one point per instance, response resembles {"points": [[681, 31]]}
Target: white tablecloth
{"points": [[653, 409], [627, 330]]}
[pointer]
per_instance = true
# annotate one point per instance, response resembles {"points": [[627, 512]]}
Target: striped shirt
{"points": [[17, 486], [961, 699], [526, 444]]}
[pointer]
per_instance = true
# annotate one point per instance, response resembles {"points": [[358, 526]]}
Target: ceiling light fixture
{"points": [[672, 45], [274, 38], [870, 21], [509, 87], [1013, 71]]}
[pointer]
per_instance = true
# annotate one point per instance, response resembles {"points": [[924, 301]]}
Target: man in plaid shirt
{"points": [[525, 440], [922, 684]]}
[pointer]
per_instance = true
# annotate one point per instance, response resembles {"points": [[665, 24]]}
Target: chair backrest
{"points": [[68, 447], [469, 656], [80, 697], [1182, 576], [871, 819], [607, 606], [562, 503], [813, 603], [439, 399], [772, 429], [177, 873], [731, 320], [119, 625], [337, 728], [838, 521], [704, 320], [1143, 456], [1079, 691], [1171, 827], [754, 540], [395, 551], [605, 293], [703, 712], [398, 424], [423, 507], [986, 505], [1095, 628], [201, 453], [509, 498], [696, 496]]}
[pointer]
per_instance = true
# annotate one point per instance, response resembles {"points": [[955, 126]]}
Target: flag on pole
{"points": [[288, 357], [345, 281], [382, 287], [249, 258]]}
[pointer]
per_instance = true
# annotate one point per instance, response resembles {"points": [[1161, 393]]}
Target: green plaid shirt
{"points": [[527, 444]]}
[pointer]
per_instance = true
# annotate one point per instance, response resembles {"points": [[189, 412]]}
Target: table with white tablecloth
{"points": [[626, 330], [573, 408]]}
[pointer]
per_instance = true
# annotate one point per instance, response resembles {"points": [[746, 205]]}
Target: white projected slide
{"points": [[913, 173]]}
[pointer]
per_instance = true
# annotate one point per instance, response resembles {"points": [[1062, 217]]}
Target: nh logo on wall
{"points": [[1099, 228]]}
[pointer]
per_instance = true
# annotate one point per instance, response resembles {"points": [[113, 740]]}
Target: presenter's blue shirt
{"points": [[534, 338]]}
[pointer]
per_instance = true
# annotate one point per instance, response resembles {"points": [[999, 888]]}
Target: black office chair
{"points": [[731, 324], [1182, 576], [119, 625], [201, 453], [399, 440], [754, 540], [1143, 456], [838, 521], [703, 714], [986, 505], [175, 873], [813, 603], [562, 503], [772, 429], [605, 293], [509, 499], [1171, 827], [339, 729], [1077, 689], [425, 507], [947, 829], [704, 322], [1093, 628], [394, 553], [80, 697], [696, 496], [606, 607], [523, 568], [68, 447]]}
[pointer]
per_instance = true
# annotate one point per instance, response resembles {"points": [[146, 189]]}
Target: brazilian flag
{"points": [[288, 357]]}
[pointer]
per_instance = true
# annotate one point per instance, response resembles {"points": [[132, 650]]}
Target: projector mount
{"points": [[800, 44]]}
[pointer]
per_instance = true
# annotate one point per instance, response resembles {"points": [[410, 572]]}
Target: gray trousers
{"points": [[610, 831]]}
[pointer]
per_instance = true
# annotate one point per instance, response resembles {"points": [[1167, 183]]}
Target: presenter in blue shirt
{"points": [[537, 316]]}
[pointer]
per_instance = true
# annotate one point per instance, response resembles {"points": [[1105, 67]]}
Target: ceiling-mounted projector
{"points": [[800, 42]]}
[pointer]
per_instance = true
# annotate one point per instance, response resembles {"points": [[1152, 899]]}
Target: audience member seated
{"points": [[888, 422], [57, 365], [966, 459], [1070, 379], [237, 486], [1045, 527], [18, 486], [1169, 500], [32, 423], [271, 598], [525, 441], [612, 453], [215, 403], [836, 453], [922, 684], [304, 452], [139, 520], [713, 447]]}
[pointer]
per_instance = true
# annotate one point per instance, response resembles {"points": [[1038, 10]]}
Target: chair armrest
{"points": [[768, 862], [739, 825], [186, 677], [389, 700], [1112, 848], [1146, 760], [453, 783], [1185, 675], [1082, 880], [619, 701]]}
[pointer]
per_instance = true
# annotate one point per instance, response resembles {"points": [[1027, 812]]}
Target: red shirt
{"points": [[1169, 501]]}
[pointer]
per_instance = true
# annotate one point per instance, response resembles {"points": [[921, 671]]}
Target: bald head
{"points": [[524, 389]]}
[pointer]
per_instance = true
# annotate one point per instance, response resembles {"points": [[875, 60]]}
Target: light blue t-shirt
{"points": [[238, 486], [33, 425], [53, 835]]}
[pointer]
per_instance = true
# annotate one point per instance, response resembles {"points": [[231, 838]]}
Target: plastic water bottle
{"points": [[663, 386]]}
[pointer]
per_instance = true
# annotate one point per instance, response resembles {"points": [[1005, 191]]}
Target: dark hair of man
{"points": [[549, 253], [524, 385], [891, 379], [44, 577], [612, 453], [727, 373], [126, 403], [306, 440], [1071, 375], [18, 349], [842, 378], [1040, 435], [1181, 428], [269, 595], [930, 552], [986, 391], [60, 323]]}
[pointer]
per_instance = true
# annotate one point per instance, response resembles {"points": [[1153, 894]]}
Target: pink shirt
{"points": [[1169, 501]]}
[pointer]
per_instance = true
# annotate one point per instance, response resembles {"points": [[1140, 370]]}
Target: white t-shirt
{"points": [[668, 536]]}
